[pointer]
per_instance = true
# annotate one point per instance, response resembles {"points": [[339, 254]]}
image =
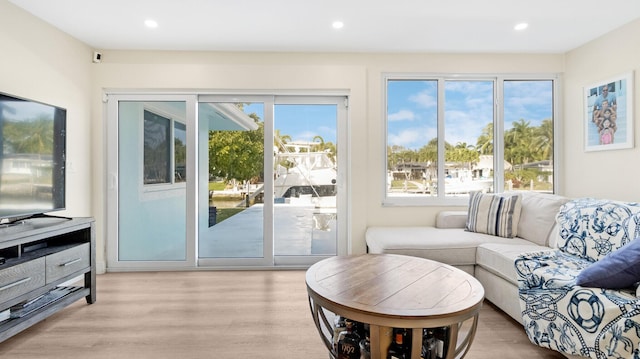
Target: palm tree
{"points": [[33, 136], [543, 140], [484, 144], [518, 142], [280, 140], [464, 153], [319, 140], [429, 152]]}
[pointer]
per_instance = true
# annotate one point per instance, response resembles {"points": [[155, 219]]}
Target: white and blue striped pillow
{"points": [[494, 214]]}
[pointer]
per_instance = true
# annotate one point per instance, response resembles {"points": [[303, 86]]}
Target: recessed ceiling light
{"points": [[521, 26], [338, 24], [151, 23]]}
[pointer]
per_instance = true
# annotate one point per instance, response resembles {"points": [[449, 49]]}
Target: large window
{"points": [[450, 135]]}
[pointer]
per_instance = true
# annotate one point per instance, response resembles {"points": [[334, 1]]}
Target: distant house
{"points": [[484, 167], [544, 167]]}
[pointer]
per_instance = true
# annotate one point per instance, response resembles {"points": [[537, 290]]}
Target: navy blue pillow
{"points": [[619, 269]]}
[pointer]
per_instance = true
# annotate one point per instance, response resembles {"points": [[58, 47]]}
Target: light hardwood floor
{"points": [[214, 314]]}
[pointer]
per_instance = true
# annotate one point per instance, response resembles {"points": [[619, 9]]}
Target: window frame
{"points": [[498, 120], [163, 155], [149, 190]]}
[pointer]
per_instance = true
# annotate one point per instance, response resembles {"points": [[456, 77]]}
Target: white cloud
{"points": [[465, 126], [404, 138], [412, 138], [473, 87], [528, 100], [424, 99], [304, 136], [327, 133], [402, 115]]}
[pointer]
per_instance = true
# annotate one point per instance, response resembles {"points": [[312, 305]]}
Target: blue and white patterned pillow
{"points": [[494, 214]]}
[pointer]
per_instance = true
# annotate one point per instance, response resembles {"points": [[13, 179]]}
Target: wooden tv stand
{"points": [[41, 256]]}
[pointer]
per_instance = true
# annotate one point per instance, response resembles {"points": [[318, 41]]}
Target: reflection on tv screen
{"points": [[31, 157]]}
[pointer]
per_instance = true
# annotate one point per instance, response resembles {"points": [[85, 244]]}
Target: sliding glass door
{"points": [[226, 181], [268, 207], [233, 226], [306, 188], [149, 180]]}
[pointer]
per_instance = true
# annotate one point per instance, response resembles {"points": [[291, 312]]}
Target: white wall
{"points": [[602, 174], [44, 64]]}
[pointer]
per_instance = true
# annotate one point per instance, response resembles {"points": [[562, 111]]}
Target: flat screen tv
{"points": [[32, 158]]}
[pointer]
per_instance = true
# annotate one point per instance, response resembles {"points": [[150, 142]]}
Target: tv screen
{"points": [[32, 158]]}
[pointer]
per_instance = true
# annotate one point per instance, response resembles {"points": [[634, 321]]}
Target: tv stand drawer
{"points": [[21, 278], [68, 261]]}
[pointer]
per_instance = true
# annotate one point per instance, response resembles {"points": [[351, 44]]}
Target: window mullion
{"points": [[441, 139], [498, 137], [172, 152]]}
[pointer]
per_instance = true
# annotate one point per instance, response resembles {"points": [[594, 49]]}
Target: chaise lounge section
{"points": [[580, 299]]}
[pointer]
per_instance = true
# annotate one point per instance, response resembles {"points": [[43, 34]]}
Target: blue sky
{"points": [[412, 109], [302, 122], [24, 110]]}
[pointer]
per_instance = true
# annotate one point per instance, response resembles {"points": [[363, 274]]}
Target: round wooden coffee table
{"points": [[394, 291]]}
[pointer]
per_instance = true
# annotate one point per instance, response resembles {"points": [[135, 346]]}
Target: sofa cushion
{"points": [[619, 269], [498, 258], [538, 216], [451, 219], [496, 214], [451, 246]]}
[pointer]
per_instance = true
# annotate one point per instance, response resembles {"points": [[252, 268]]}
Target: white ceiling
{"points": [[555, 26]]}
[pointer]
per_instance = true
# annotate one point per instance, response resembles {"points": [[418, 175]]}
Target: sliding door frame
{"points": [[112, 186], [191, 98]]}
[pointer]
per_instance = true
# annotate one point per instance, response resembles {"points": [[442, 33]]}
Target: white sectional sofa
{"points": [[568, 270], [489, 258]]}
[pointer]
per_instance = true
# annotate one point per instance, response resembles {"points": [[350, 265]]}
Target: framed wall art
{"points": [[608, 122]]}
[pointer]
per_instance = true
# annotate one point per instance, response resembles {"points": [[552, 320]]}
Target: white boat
{"points": [[304, 175], [457, 186]]}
